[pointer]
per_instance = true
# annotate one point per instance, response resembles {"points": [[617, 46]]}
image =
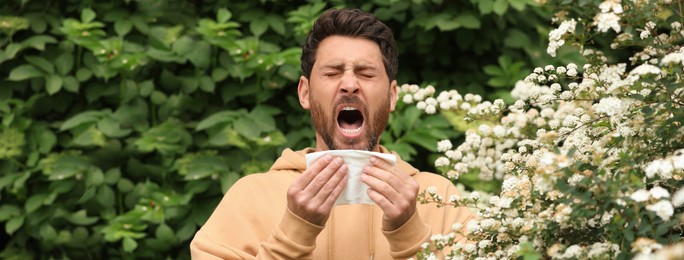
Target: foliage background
{"points": [[123, 122]]}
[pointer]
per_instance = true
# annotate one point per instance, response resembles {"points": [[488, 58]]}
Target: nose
{"points": [[349, 83]]}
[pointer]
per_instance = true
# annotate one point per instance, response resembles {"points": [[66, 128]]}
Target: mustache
{"points": [[349, 99]]}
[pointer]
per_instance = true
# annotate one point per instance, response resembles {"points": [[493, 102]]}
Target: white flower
{"points": [[474, 195], [470, 248], [504, 203], [444, 145], [659, 193], [662, 208], [454, 198], [644, 69], [408, 99], [571, 72], [611, 106], [431, 190], [640, 195], [421, 105], [454, 154], [661, 167], [441, 162], [484, 243], [456, 226], [607, 21], [675, 57], [430, 109], [519, 104], [472, 226], [611, 5], [678, 197]]}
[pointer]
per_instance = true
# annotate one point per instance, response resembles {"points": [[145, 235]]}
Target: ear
{"points": [[393, 95], [303, 92]]}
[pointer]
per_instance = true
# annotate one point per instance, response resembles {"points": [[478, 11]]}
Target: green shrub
{"points": [[123, 122]]}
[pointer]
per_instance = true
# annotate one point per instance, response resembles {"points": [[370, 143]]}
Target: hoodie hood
{"points": [[296, 161]]}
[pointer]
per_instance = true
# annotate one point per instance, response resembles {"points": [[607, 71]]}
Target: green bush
{"points": [[123, 122]]}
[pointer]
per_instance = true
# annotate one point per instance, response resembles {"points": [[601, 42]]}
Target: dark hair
{"points": [[353, 23]]}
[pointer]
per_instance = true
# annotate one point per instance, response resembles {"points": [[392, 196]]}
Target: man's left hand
{"points": [[393, 190]]}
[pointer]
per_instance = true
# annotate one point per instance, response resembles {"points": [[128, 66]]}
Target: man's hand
{"points": [[313, 194], [394, 191]]}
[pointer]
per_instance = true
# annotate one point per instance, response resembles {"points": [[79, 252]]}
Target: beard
{"points": [[326, 124]]}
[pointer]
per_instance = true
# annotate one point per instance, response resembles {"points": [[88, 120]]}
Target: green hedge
{"points": [[123, 122]]}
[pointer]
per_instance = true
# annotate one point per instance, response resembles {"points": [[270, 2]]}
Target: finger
{"points": [[380, 200], [321, 178], [380, 187], [331, 184], [387, 166], [311, 172], [330, 200], [384, 176]]}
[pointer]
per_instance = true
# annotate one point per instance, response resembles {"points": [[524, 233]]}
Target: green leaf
{"points": [[200, 55], [81, 118], [106, 196], [34, 202], [38, 42], [41, 63], [83, 74], [518, 4], [165, 233], [146, 88], [258, 27], [468, 20], [207, 84], [493, 70], [53, 83], [129, 244], [112, 128], [7, 211], [219, 118], [24, 72], [219, 74], [48, 233], [516, 39], [94, 178], [247, 127], [223, 15], [276, 23], [80, 218], [158, 97], [87, 15], [64, 63], [70, 84], [123, 26], [485, 6], [13, 224], [500, 6]]}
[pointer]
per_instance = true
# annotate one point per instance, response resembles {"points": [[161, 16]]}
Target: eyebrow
{"points": [[357, 67]]}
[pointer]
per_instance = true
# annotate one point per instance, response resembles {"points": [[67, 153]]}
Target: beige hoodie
{"points": [[252, 221]]}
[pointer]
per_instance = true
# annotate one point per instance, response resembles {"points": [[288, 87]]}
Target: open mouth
{"points": [[350, 120]]}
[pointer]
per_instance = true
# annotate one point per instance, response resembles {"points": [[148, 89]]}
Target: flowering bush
{"points": [[591, 157]]}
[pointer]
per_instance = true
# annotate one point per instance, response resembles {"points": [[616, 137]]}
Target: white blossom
{"points": [[662, 208]]}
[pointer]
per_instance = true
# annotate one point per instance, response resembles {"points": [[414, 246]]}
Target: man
{"points": [[349, 63]]}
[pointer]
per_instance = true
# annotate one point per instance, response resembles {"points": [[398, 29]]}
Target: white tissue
{"points": [[356, 191]]}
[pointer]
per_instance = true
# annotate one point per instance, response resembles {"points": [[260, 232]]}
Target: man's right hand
{"points": [[313, 194]]}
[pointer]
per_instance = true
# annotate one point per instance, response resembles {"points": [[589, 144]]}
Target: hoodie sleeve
{"points": [[245, 225]]}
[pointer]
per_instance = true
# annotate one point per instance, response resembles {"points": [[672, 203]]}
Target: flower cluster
{"points": [[589, 156]]}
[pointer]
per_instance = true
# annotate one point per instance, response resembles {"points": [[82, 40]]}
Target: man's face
{"points": [[349, 94]]}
